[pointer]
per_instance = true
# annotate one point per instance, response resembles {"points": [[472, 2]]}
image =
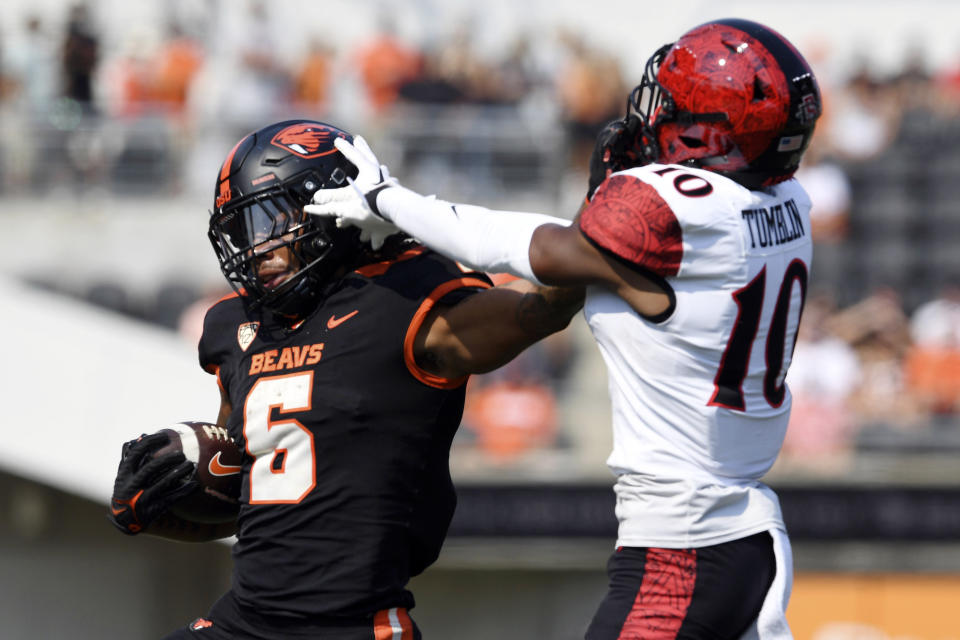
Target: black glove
{"points": [[146, 486], [613, 151]]}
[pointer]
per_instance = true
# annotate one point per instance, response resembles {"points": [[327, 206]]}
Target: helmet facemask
{"points": [[246, 230], [634, 142], [645, 101]]}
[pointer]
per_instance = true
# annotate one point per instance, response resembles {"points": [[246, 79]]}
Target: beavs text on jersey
{"points": [[286, 358]]}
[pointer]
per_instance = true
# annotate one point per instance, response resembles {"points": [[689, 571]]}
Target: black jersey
{"points": [[346, 482]]}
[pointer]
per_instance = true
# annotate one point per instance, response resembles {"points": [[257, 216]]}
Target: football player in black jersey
{"points": [[342, 372]]}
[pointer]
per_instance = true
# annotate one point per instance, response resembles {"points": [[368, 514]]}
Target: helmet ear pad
{"points": [[330, 245]]}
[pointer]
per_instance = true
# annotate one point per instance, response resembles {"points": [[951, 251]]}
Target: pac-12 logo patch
{"points": [[246, 333], [306, 139]]}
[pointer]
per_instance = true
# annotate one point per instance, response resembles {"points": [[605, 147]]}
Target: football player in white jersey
{"points": [[695, 246]]}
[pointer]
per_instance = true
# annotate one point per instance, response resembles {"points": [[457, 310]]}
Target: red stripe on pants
{"points": [[664, 595]]}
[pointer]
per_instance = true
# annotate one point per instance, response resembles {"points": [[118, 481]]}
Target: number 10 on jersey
{"points": [[734, 365]]}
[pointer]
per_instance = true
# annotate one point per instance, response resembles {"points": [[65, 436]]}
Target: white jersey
{"points": [[700, 407]]}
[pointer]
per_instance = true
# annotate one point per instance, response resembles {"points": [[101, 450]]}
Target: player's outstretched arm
{"points": [[490, 328], [539, 248], [494, 241]]}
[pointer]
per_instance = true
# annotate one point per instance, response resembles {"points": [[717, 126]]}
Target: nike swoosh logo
{"points": [[217, 469], [116, 511], [335, 322]]}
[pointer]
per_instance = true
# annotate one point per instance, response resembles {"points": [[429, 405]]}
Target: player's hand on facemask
{"points": [[356, 204], [146, 485]]}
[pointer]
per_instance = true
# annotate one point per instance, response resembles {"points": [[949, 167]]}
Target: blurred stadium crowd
{"points": [[877, 364]]}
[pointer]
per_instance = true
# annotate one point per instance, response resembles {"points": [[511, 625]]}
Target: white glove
{"points": [[355, 205]]}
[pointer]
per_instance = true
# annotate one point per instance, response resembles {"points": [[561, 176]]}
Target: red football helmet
{"points": [[731, 96]]}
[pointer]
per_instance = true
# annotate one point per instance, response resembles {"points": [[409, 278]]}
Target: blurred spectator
{"points": [[933, 364], [313, 78], [385, 63], [80, 57], [454, 73], [434, 85], [28, 87], [933, 377], [516, 73], [824, 374], [456, 62], [826, 181], [249, 84], [937, 323], [913, 85], [590, 90], [864, 117], [29, 68], [946, 85], [174, 69], [149, 77], [478, 81], [510, 417], [76, 154], [126, 77], [878, 330]]}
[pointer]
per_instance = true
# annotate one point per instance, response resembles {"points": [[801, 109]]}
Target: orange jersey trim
{"points": [[401, 628], [380, 268], [228, 296], [416, 323]]}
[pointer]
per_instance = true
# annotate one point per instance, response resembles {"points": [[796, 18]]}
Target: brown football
{"points": [[219, 464]]}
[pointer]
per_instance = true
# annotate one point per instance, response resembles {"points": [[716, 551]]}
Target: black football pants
{"points": [[709, 593], [228, 621]]}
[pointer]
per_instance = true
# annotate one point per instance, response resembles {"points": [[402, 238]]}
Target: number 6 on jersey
{"points": [[284, 469]]}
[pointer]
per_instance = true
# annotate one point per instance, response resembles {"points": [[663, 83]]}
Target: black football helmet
{"points": [[261, 189], [732, 96]]}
